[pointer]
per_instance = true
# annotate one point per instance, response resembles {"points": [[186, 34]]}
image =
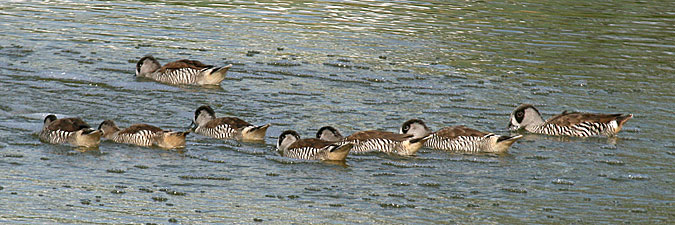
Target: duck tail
{"points": [[623, 118], [509, 138], [504, 142], [255, 133], [339, 152], [181, 134], [87, 138], [222, 70]]}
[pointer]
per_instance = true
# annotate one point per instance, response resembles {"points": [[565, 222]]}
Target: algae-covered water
{"points": [[356, 65]]}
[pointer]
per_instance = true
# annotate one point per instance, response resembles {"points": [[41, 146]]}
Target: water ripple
{"points": [[356, 65]]}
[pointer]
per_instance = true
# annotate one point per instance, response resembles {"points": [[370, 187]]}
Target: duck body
{"points": [[143, 135], [69, 130], [376, 141], [292, 146], [384, 141], [226, 127], [181, 72], [464, 139], [574, 124], [459, 138]]}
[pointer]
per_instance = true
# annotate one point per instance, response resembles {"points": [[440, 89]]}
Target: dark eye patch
{"points": [[520, 115], [281, 139]]}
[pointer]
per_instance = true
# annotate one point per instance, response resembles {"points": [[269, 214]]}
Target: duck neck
{"points": [[203, 120], [534, 128], [109, 132], [535, 124]]}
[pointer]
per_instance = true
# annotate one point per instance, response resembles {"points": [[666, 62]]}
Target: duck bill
{"points": [[88, 138], [192, 126], [512, 127]]}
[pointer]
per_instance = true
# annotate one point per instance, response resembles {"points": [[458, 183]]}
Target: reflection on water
{"points": [[355, 65]]}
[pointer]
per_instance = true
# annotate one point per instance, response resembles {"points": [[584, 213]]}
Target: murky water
{"points": [[355, 65]]}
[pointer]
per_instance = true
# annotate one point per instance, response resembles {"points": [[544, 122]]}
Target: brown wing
{"points": [[140, 127], [456, 131], [376, 134], [310, 142], [234, 122], [571, 118], [68, 124], [184, 63]]}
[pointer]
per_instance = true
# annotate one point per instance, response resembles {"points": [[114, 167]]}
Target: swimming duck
{"points": [[375, 140], [226, 127], [459, 138], [574, 124], [292, 146], [69, 130], [181, 72], [143, 135]]}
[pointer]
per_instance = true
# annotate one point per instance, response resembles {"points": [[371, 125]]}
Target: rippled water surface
{"points": [[356, 65]]}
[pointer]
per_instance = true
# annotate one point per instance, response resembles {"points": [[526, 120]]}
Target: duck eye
{"points": [[519, 114]]}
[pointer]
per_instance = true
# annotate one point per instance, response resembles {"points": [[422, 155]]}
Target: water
{"points": [[354, 65]]}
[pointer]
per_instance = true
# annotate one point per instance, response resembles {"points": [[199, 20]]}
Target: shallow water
{"points": [[355, 65]]}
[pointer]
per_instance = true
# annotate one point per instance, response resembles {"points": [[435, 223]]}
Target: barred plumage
{"points": [[223, 131], [459, 138], [383, 141], [143, 135], [55, 136], [376, 141], [179, 76], [574, 124], [141, 138], [181, 72], [306, 153], [69, 130], [376, 145], [460, 143], [584, 129], [226, 127], [292, 146]]}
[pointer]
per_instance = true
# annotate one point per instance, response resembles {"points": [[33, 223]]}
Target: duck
{"points": [[575, 124], [69, 130], [206, 123], [143, 135], [290, 145], [183, 71], [376, 141], [459, 138]]}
